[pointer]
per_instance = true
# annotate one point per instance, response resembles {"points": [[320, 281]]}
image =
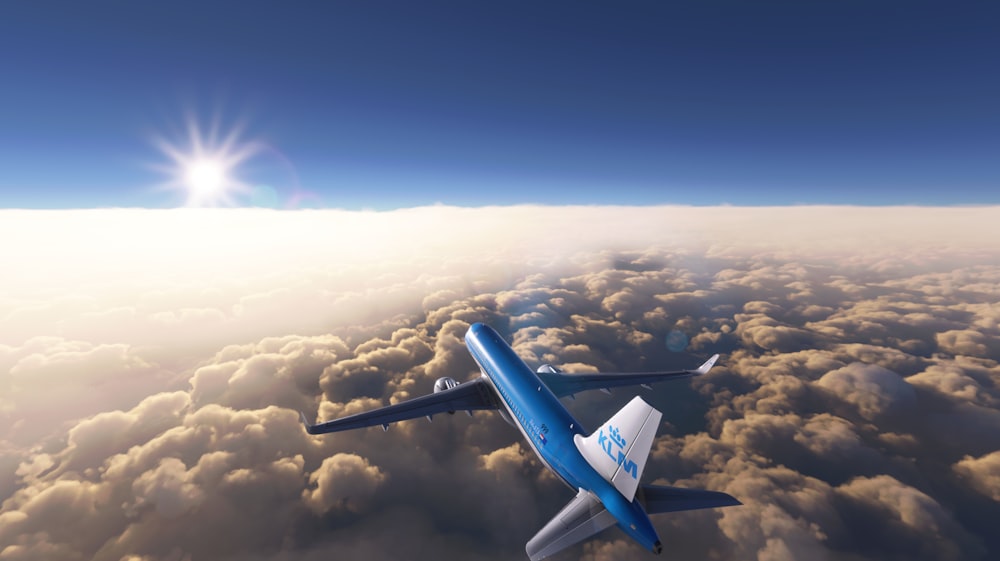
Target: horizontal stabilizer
{"points": [[656, 499], [619, 448], [581, 518]]}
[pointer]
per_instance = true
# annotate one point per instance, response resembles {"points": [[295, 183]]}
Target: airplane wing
{"points": [[568, 384], [470, 396]]}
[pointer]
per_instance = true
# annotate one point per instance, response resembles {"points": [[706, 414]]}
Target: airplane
{"points": [[603, 467]]}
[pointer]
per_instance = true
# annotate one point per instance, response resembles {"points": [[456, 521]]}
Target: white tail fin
{"points": [[619, 448]]}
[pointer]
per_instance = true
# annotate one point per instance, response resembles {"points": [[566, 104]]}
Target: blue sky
{"points": [[395, 104]]}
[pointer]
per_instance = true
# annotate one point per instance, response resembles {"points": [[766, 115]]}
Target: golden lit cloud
{"points": [[152, 364]]}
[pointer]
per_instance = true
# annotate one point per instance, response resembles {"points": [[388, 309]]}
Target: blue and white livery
{"points": [[603, 467]]}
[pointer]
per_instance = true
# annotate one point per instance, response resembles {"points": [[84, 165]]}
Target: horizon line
{"points": [[515, 206]]}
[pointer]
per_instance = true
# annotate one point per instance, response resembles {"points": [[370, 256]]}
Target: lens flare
{"points": [[677, 341]]}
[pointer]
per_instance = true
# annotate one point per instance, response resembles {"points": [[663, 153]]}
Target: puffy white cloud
{"points": [[872, 390], [963, 342], [903, 516], [982, 473], [169, 488], [342, 481], [950, 378]]}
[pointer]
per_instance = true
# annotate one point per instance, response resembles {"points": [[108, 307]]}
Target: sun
{"points": [[206, 171], [206, 179]]}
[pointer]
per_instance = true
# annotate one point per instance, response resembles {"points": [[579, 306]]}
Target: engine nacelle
{"points": [[505, 416], [445, 383], [548, 369]]}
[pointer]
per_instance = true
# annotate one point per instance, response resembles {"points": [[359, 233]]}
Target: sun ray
{"points": [[207, 169]]}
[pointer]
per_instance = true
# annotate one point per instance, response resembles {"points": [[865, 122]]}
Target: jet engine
{"points": [[444, 383], [548, 369]]}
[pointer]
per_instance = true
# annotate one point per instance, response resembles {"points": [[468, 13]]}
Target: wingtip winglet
{"points": [[704, 368], [305, 422]]}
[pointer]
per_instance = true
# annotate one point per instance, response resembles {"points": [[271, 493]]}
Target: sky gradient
{"points": [[396, 104]]}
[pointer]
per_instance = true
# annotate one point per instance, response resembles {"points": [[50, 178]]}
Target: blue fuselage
{"points": [[549, 428]]}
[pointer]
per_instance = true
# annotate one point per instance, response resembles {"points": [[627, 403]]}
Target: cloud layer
{"points": [[152, 364]]}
